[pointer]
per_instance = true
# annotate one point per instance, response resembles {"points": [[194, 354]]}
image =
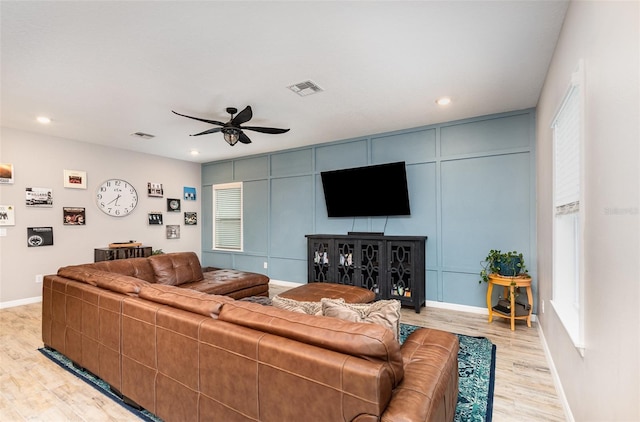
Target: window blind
{"points": [[228, 218], [567, 154]]}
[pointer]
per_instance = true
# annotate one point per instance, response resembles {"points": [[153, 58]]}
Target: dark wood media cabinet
{"points": [[110, 254], [393, 267]]}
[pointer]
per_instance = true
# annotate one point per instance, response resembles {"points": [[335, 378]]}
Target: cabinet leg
{"points": [[489, 307]]}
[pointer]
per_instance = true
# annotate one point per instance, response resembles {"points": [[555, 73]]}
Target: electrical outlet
{"points": [[265, 265], [39, 278]]}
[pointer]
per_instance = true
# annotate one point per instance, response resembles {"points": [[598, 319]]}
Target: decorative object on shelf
{"points": [[39, 197], [173, 231], [7, 215], [116, 197], [155, 218], [232, 131], [74, 216], [157, 252], [128, 244], [173, 205], [39, 236], [190, 218], [154, 189], [6, 173], [75, 179], [189, 194], [508, 264]]}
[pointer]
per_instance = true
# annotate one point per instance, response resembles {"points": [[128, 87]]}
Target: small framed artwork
{"points": [[6, 173], [155, 218], [39, 236], [75, 179], [173, 231], [39, 197], [190, 218], [189, 194], [73, 216], [155, 189], [7, 215], [173, 204]]}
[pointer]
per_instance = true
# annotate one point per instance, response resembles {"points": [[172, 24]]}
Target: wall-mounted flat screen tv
{"points": [[371, 191]]}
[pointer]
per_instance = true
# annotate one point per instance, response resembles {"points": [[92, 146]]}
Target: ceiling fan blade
{"points": [[242, 117], [271, 130], [244, 138], [206, 132], [213, 122]]}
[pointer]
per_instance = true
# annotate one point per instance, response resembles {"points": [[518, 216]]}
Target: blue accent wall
{"points": [[471, 189]]}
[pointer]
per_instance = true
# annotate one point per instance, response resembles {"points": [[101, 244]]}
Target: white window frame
{"points": [[569, 219], [215, 222]]}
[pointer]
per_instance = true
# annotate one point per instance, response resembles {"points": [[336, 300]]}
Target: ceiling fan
{"points": [[232, 130]]}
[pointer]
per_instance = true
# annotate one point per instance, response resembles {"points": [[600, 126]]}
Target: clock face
{"points": [[116, 197]]}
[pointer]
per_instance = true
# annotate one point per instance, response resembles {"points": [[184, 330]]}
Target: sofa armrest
{"points": [[429, 389]]}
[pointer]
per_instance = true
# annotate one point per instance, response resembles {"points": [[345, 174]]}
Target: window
{"points": [[227, 216], [568, 203]]}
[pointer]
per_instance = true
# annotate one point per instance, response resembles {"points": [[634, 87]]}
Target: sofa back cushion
{"points": [[367, 341], [133, 267], [107, 280], [176, 268], [185, 299]]}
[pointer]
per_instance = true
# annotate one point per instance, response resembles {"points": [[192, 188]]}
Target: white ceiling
{"points": [[103, 70]]}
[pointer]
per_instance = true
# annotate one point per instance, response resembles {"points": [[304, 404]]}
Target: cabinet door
{"points": [[402, 270], [320, 260], [346, 262], [370, 265]]}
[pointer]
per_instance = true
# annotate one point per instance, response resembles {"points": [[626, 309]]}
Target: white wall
{"points": [[39, 161], [605, 384]]}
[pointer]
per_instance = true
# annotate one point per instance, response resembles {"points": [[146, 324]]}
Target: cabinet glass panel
{"points": [[346, 263], [321, 261], [370, 261], [400, 273]]}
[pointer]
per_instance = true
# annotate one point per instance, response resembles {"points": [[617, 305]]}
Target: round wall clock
{"points": [[116, 197]]}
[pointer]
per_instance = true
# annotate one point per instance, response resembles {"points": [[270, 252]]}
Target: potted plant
{"points": [[506, 264]]}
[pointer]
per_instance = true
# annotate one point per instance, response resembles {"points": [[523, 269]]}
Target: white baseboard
{"points": [[20, 302], [556, 378]]}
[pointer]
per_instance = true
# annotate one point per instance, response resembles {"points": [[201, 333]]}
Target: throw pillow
{"points": [[382, 312], [309, 308]]}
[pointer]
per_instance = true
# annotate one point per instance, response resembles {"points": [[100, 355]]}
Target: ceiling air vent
{"points": [[143, 135], [305, 88]]}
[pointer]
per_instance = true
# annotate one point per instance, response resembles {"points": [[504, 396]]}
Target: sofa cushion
{"points": [[176, 268], [304, 307], [133, 267], [383, 312], [367, 341], [110, 281], [185, 299]]}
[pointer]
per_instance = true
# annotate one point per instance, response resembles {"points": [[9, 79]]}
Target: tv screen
{"points": [[378, 190]]}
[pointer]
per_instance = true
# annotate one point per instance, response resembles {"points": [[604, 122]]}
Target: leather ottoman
{"points": [[314, 292]]}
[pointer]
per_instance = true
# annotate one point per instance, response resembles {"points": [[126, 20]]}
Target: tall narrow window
{"points": [[227, 212], [568, 140]]}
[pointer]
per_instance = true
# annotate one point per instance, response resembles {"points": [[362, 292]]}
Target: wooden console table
{"points": [[509, 285]]}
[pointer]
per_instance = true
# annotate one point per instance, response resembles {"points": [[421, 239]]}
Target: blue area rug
{"points": [[476, 369], [476, 376]]}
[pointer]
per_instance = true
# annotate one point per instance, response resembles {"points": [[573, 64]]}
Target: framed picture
{"points": [[189, 194], [7, 215], [190, 218], [173, 231], [154, 189], [39, 236], [75, 179], [155, 218], [173, 205], [39, 197], [6, 173], [73, 216]]}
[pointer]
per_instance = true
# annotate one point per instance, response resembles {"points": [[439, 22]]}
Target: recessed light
{"points": [[443, 101], [194, 152], [44, 120]]}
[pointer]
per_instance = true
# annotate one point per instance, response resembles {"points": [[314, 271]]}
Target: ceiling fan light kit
{"points": [[233, 129]]}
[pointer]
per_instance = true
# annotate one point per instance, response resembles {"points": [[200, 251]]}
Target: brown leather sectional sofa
{"points": [[186, 355]]}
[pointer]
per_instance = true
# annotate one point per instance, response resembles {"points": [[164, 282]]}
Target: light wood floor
{"points": [[32, 388]]}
